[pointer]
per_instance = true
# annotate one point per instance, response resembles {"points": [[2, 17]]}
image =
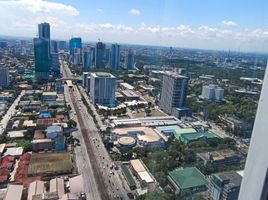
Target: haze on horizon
{"points": [[229, 25]]}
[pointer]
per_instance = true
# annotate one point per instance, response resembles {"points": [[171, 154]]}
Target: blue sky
{"points": [[246, 13], [209, 24]]}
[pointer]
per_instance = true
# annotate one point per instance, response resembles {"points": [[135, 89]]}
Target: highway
{"points": [[108, 181], [81, 156]]}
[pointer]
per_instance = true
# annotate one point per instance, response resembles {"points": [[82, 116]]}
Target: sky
{"points": [[237, 25]]}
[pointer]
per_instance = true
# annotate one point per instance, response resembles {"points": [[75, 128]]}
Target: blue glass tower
{"points": [[114, 60], [100, 55]]}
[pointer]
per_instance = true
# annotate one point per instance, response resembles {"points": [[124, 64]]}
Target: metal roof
{"points": [[188, 178]]}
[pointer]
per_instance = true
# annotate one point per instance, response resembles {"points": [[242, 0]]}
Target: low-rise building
{"points": [[14, 192], [130, 95], [30, 105], [144, 136], [187, 135], [76, 185], [143, 174], [14, 151], [35, 188], [225, 186], [16, 134], [49, 96], [219, 158], [53, 131], [6, 97], [187, 179], [42, 145], [56, 185]]}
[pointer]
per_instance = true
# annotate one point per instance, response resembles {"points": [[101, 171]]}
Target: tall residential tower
{"points": [[173, 94], [102, 88]]}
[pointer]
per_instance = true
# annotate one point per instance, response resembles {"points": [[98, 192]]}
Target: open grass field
{"points": [[50, 163]]}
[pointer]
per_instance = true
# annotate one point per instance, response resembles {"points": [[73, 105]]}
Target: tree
{"points": [[72, 123]]}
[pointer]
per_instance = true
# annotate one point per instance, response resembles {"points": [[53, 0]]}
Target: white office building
{"points": [[102, 88]]}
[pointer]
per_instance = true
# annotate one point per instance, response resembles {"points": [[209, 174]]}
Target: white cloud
{"points": [[99, 10], [134, 11], [229, 23], [20, 17]]}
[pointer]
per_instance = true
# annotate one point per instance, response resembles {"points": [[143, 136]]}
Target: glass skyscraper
{"points": [[129, 60], [100, 55], [75, 42], [42, 52], [114, 59], [44, 31], [42, 58]]}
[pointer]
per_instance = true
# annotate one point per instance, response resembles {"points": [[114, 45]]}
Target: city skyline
{"points": [[208, 25]]}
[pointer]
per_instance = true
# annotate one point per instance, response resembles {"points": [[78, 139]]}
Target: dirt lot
{"points": [[50, 163]]}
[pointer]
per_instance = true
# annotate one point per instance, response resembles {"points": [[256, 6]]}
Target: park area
{"points": [[50, 164]]}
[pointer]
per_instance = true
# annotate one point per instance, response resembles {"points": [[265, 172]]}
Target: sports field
{"points": [[50, 163]]}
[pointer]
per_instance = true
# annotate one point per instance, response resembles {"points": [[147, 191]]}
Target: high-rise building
{"points": [[129, 60], [173, 94], [114, 59], [212, 92], [100, 55], [4, 77], [42, 51], [255, 178], [84, 78], [87, 58], [62, 45], [55, 63], [77, 56], [54, 46], [42, 58], [44, 31], [102, 88], [75, 42]]}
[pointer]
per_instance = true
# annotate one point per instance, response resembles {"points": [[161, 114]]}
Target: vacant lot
{"points": [[50, 163]]}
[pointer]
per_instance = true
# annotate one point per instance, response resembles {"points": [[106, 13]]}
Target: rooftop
{"points": [[77, 184], [57, 185], [188, 178], [102, 74], [231, 177], [36, 187], [128, 175], [143, 133], [14, 192], [49, 94], [16, 134], [14, 151], [137, 165], [127, 86]]}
